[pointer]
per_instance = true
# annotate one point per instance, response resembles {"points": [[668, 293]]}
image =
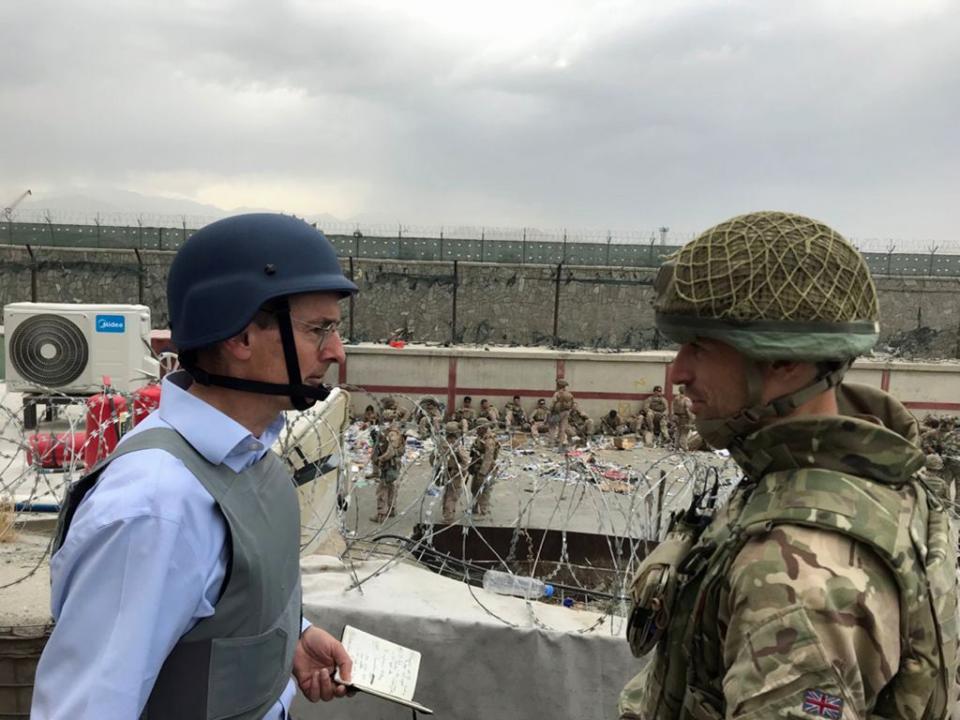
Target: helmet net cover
{"points": [[775, 285]]}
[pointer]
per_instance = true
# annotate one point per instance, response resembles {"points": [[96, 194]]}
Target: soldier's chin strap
{"points": [[301, 395], [721, 433]]}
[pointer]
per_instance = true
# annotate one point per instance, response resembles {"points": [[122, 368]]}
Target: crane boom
{"points": [[8, 210]]}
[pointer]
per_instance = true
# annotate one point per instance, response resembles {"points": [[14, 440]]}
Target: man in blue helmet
{"points": [[175, 579]]}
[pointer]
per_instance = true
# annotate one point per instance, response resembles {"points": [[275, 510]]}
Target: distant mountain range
{"points": [[111, 204]]}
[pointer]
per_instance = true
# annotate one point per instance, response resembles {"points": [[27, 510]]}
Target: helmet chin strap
{"points": [[724, 433], [301, 395]]}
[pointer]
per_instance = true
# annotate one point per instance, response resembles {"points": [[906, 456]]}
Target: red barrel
{"points": [[53, 452], [69, 448], [145, 401], [41, 450], [105, 415]]}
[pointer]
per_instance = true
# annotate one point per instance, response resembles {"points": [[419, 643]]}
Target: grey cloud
{"points": [[681, 120]]}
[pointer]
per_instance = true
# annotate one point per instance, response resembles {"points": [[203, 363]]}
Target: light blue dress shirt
{"points": [[143, 562]]}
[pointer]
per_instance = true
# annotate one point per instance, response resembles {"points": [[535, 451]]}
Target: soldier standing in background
{"points": [[450, 461], [682, 416], [804, 595], [539, 418], [654, 414], [483, 459], [389, 460], [560, 406]]}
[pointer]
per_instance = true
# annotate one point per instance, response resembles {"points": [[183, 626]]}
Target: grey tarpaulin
{"points": [[473, 665]]}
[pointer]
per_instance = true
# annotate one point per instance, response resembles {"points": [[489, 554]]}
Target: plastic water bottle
{"points": [[504, 583]]}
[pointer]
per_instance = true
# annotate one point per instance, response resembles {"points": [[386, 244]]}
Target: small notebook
{"points": [[383, 668]]}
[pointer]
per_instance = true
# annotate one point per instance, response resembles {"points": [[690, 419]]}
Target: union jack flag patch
{"points": [[820, 704]]}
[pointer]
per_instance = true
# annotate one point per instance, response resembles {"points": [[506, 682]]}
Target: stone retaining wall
{"points": [[467, 302]]}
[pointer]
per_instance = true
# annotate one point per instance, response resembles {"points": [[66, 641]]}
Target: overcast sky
{"points": [[627, 115]]}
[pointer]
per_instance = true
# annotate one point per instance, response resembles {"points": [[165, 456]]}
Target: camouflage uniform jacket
{"points": [[657, 403], [827, 581], [483, 455], [682, 406], [562, 401], [450, 461], [390, 456], [540, 414], [466, 413], [612, 426], [516, 410], [430, 422]]}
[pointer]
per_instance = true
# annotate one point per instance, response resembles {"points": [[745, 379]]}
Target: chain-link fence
{"points": [[439, 243]]}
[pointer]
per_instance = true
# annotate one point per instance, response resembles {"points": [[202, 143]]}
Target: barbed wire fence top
{"points": [[400, 241]]}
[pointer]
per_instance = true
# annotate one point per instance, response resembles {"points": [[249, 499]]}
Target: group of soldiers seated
{"points": [[470, 473], [657, 422], [940, 441]]}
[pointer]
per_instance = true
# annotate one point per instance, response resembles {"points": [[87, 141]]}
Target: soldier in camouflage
{"points": [[654, 412], [514, 415], [950, 452], [488, 412], [450, 461], [612, 424], [539, 419], [483, 459], [560, 406], [389, 405], [370, 416], [466, 415], [930, 435], [389, 460], [581, 423], [826, 587], [430, 418], [933, 472], [683, 416]]}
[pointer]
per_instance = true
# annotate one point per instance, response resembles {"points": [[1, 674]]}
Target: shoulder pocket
{"points": [[778, 662]]}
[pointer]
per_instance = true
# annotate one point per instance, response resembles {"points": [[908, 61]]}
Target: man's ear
{"points": [[240, 346], [789, 374]]}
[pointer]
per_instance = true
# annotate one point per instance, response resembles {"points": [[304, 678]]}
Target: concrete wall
{"points": [[439, 302], [599, 380]]}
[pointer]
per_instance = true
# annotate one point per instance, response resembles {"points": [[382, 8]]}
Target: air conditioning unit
{"points": [[70, 348]]}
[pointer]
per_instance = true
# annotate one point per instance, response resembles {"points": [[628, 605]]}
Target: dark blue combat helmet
{"points": [[227, 270]]}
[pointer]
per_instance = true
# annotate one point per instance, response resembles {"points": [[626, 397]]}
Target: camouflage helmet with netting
{"points": [[775, 286]]}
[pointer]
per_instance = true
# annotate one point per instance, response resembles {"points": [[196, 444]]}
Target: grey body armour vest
{"points": [[235, 663]]}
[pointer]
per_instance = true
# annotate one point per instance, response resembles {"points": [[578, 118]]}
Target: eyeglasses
{"points": [[322, 332]]}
